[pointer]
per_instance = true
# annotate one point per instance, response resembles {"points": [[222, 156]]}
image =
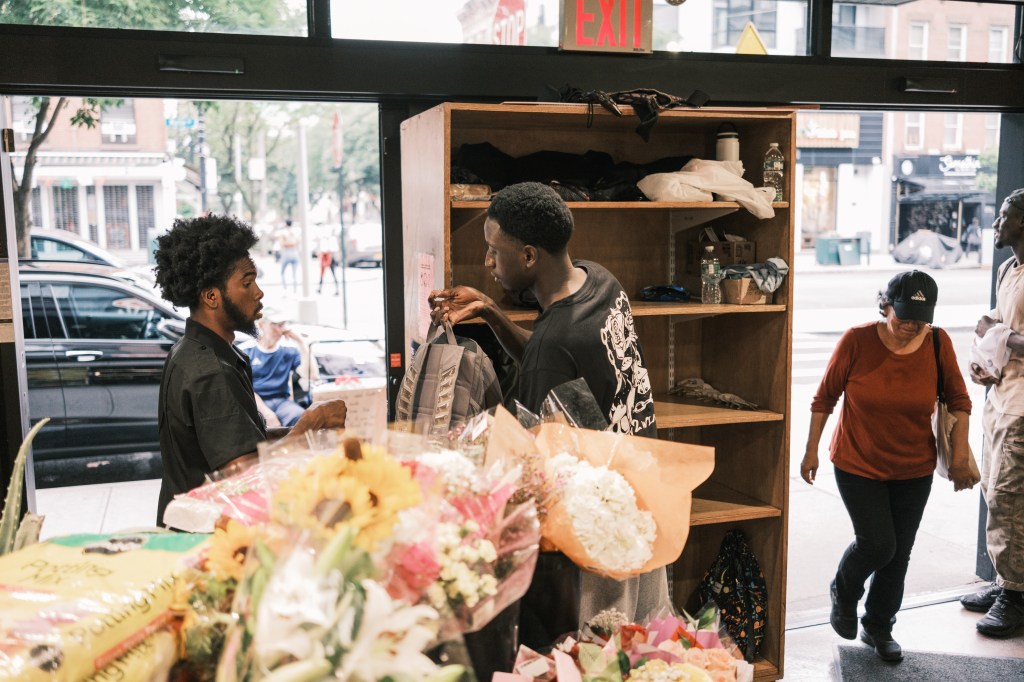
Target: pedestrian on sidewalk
{"points": [[328, 255], [289, 243], [883, 450], [1002, 474]]}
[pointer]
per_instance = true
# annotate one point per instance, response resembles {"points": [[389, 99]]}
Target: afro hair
{"points": [[534, 214], [198, 254]]}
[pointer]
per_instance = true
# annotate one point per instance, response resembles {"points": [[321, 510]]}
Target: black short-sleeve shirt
{"points": [[207, 411], [590, 334]]}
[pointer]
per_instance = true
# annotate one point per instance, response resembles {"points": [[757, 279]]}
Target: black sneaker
{"points": [[843, 617], [1005, 616], [982, 600], [886, 648]]}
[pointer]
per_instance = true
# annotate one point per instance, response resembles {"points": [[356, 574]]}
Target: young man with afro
{"points": [[584, 330], [208, 417]]}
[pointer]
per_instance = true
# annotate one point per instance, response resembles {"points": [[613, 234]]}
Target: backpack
{"points": [[735, 582], [449, 380]]}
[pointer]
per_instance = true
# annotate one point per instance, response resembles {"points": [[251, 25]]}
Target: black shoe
{"points": [[1005, 616], [982, 600], [886, 648], [843, 616]]}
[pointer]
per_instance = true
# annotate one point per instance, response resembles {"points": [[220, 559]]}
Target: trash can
{"points": [[826, 252], [837, 250], [848, 250]]}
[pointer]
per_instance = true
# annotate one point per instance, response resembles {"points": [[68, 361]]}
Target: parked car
{"points": [[64, 246], [95, 346], [364, 245]]}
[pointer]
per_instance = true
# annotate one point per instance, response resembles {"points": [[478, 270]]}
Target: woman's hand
{"points": [[809, 467], [458, 304], [962, 476]]}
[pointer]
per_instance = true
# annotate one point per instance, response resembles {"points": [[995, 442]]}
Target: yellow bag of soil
{"points": [[73, 605]]}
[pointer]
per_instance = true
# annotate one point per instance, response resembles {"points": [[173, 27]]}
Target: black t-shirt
{"points": [[207, 411], [590, 334]]}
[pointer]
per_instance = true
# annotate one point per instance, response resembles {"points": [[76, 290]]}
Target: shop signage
{"points": [[829, 130], [606, 25], [945, 166], [510, 23]]}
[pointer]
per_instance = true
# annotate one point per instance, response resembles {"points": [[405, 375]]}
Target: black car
{"points": [[95, 345], [94, 351]]}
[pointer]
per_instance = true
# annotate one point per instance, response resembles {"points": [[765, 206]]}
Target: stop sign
{"points": [[510, 23]]}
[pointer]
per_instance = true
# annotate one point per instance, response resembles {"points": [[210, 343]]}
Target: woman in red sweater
{"points": [[883, 449]]}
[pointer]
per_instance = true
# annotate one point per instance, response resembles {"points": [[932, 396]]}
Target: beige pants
{"points": [[636, 597], [1002, 482]]}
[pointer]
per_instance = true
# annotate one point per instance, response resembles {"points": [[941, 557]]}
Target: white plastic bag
{"points": [[700, 177]]}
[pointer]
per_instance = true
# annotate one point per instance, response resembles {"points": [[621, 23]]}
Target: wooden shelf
{"points": [[633, 205], [675, 413], [650, 308], [765, 670], [714, 503]]}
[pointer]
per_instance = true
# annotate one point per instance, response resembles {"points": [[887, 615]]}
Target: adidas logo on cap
{"points": [[920, 297]]}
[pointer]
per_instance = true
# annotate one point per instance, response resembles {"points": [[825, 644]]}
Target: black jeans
{"points": [[885, 516]]}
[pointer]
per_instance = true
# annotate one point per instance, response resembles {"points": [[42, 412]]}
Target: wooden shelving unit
{"points": [[744, 350]]}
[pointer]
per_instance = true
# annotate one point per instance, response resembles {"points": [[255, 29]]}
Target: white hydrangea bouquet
{"points": [[618, 505]]}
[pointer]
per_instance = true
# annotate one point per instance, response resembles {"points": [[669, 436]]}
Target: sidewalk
{"points": [[947, 315]]}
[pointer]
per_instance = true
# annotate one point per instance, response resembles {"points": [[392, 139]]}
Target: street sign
{"points": [[180, 122]]}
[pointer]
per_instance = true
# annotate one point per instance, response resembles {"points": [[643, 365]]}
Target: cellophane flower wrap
{"points": [[667, 648], [308, 601], [479, 553], [617, 505]]}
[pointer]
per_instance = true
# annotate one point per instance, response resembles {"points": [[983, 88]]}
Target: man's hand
{"points": [[984, 324], [980, 376], [809, 467], [962, 476], [458, 304], [328, 414]]}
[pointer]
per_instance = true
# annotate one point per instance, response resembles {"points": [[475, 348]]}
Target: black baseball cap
{"points": [[913, 295]]}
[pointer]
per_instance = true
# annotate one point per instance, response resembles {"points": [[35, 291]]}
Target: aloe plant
{"points": [[12, 505]]}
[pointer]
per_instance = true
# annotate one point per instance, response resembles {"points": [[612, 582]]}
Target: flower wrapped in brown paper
{"points": [[605, 526]]}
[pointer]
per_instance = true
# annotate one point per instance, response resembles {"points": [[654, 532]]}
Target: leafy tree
{"points": [[986, 178], [47, 112], [249, 16], [218, 16]]}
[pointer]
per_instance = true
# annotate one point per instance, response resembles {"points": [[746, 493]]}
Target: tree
{"points": [[222, 16], [256, 16], [46, 113]]}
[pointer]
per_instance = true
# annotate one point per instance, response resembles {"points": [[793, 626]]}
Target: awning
{"points": [[977, 196]]}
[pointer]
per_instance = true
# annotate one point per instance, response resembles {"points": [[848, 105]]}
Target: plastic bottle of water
{"points": [[774, 171], [710, 276]]}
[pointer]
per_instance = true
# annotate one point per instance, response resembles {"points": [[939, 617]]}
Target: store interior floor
{"points": [[933, 622]]}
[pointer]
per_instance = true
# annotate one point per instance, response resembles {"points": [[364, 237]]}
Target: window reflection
{"points": [[923, 30]]}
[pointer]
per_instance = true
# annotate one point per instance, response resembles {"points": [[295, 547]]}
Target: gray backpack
{"points": [[448, 381]]}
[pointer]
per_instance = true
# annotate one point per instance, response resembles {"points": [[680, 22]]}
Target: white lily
{"points": [[390, 640]]}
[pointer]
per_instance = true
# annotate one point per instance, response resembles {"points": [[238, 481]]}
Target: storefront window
{"points": [[264, 17], [780, 25], [923, 30]]}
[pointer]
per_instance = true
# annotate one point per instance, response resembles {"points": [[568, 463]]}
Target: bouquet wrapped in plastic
{"points": [[479, 557], [618, 505], [668, 648], [308, 604]]}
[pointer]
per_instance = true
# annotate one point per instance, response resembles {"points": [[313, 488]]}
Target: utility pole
{"points": [[338, 154], [201, 132]]}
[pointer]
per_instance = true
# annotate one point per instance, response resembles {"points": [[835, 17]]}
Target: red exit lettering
{"points": [[630, 15]]}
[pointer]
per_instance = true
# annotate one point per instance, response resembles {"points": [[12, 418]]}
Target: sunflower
{"points": [[364, 492], [228, 549]]}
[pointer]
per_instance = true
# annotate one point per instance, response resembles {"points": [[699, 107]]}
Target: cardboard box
{"points": [[744, 292], [728, 253]]}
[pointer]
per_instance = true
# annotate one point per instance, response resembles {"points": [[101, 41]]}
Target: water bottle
{"points": [[727, 143], [774, 167], [710, 276]]}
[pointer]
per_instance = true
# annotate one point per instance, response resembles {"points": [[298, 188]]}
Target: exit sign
{"points": [[606, 25]]}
